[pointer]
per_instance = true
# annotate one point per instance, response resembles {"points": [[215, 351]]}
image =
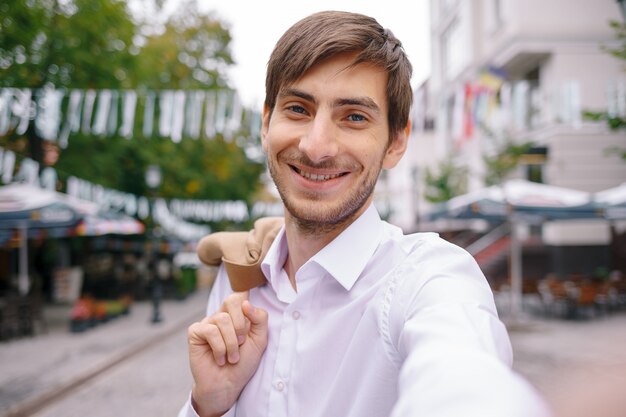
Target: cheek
{"points": [[278, 136], [373, 154]]}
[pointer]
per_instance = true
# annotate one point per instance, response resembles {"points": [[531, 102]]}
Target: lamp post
{"points": [[153, 180]]}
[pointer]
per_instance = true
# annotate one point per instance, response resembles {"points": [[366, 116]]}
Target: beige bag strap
{"points": [[241, 252]]}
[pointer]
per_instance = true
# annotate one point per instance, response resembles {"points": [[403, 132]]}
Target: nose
{"points": [[319, 142]]}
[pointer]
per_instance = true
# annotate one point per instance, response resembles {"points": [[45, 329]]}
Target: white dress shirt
{"points": [[381, 324]]}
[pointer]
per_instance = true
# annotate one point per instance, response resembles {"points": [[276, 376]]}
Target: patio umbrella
{"points": [[612, 202], [519, 201], [525, 200], [27, 207], [24, 207]]}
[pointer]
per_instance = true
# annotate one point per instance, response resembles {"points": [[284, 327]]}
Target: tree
{"points": [[63, 45], [98, 44], [504, 161], [190, 51], [447, 181], [66, 43]]}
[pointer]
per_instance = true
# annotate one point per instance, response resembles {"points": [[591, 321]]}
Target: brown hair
{"points": [[325, 34]]}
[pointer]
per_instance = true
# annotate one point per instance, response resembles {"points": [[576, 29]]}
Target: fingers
{"points": [[222, 334], [233, 306], [218, 333], [258, 322], [224, 323]]}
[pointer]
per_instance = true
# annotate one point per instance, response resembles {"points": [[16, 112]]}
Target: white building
{"points": [[523, 69]]}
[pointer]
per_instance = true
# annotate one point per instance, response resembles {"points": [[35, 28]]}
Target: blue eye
{"points": [[297, 109], [356, 118]]}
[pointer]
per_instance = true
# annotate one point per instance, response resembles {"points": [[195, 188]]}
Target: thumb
{"points": [[258, 320]]}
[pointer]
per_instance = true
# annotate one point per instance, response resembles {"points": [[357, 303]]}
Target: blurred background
{"points": [[130, 129]]}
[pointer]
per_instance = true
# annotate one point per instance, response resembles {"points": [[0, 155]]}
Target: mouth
{"points": [[318, 177]]}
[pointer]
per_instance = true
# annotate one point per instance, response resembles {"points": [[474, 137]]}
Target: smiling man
{"points": [[353, 317]]}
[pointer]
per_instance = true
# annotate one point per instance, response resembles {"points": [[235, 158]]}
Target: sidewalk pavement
{"points": [[50, 364], [561, 358], [577, 365]]}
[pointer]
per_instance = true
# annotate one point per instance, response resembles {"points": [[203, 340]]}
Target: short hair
{"points": [[325, 34]]}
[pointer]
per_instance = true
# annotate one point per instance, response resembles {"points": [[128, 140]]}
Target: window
{"points": [[454, 50]]}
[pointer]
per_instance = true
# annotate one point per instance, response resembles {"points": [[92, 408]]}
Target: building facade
{"points": [[514, 72]]}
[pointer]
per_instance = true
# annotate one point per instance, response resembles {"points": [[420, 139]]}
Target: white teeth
{"points": [[316, 177]]}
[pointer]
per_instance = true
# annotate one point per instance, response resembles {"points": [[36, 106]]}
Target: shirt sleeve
{"points": [[188, 410], [455, 353]]}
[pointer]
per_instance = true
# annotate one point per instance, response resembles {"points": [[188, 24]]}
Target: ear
{"points": [[397, 147], [265, 125]]}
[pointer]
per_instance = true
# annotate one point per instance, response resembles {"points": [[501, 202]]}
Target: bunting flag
{"points": [[498, 105], [49, 113], [72, 119], [90, 99], [174, 114], [148, 114], [129, 105], [8, 165], [21, 107]]}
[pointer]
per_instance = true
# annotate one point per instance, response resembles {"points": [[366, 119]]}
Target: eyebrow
{"points": [[365, 101], [292, 92]]}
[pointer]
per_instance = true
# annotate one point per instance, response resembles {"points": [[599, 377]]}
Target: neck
{"points": [[305, 240]]}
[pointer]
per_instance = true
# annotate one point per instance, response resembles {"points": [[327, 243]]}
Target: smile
{"points": [[317, 177]]}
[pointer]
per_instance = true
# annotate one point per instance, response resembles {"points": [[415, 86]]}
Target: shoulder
{"points": [[437, 271], [439, 286]]}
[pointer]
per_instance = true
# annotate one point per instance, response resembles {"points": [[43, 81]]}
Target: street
{"points": [[561, 358], [579, 366], [156, 382]]}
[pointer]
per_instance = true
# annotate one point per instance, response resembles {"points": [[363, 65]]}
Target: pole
{"points": [[515, 272], [23, 281], [157, 290], [153, 180]]}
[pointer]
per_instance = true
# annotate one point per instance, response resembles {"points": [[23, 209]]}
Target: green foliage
{"points": [[79, 43], [447, 181], [197, 169], [504, 161], [99, 44], [620, 33], [612, 121], [615, 150], [193, 51]]}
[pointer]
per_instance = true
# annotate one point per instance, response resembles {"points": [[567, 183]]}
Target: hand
{"points": [[224, 352]]}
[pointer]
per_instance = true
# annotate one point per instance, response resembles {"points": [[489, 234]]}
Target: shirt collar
{"points": [[361, 238]]}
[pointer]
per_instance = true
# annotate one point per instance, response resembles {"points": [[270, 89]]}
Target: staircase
{"points": [[492, 250]]}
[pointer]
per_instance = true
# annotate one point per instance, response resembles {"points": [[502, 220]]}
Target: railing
{"points": [[488, 239]]}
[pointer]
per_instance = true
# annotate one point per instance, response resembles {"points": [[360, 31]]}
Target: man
{"points": [[355, 318]]}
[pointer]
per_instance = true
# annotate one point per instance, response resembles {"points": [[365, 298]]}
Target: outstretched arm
{"points": [[454, 350]]}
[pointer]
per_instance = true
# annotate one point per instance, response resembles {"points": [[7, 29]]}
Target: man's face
{"points": [[327, 140]]}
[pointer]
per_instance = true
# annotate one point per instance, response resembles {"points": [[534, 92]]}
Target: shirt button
{"points": [[295, 315], [280, 385]]}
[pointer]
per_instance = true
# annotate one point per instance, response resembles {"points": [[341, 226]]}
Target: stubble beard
{"points": [[323, 219]]}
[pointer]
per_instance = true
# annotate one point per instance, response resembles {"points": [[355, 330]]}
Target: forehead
{"points": [[338, 77]]}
